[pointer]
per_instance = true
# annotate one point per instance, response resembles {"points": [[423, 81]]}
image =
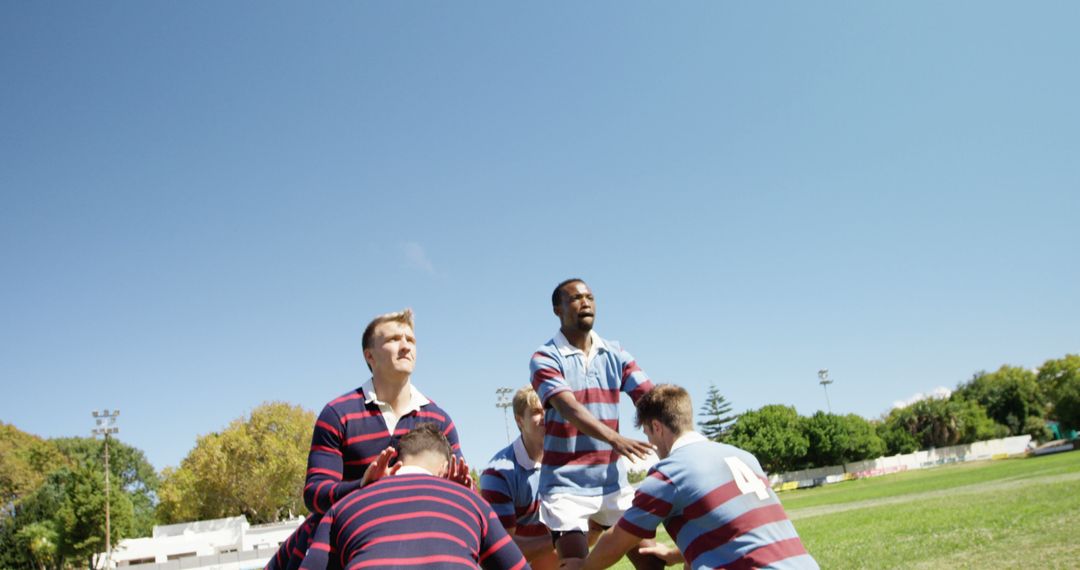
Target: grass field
{"points": [[1015, 513]]}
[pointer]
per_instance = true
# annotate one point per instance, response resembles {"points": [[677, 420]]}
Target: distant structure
{"points": [[823, 375], [220, 544], [503, 401], [106, 426]]}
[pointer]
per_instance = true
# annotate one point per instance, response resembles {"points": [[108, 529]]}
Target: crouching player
{"points": [[414, 517], [511, 481], [714, 500]]}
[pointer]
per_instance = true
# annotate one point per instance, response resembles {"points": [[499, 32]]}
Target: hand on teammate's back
{"points": [[631, 448]]}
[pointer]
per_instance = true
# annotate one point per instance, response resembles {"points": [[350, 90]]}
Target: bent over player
{"points": [[714, 500], [413, 518], [354, 431]]}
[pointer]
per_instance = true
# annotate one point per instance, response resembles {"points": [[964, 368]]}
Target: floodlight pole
{"points": [[503, 401], [106, 422], [823, 375]]}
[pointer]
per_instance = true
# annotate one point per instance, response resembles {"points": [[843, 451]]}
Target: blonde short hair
{"points": [[404, 317], [524, 400]]}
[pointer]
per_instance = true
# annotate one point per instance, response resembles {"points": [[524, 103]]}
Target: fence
{"points": [[978, 451]]}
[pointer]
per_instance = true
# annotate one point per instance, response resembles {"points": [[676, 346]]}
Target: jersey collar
{"points": [[566, 349], [686, 439]]}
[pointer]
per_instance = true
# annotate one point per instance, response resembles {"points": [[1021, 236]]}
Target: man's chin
{"points": [[585, 326]]}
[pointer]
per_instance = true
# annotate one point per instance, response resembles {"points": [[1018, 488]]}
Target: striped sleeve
{"points": [[318, 554], [635, 382], [495, 489], [546, 376], [324, 472], [498, 551], [652, 504]]}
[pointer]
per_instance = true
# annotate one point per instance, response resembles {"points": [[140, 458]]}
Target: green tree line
{"points": [[1008, 401], [52, 491]]}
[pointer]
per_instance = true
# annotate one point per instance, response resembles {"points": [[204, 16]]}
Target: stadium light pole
{"points": [[502, 400], [106, 424], [823, 375]]}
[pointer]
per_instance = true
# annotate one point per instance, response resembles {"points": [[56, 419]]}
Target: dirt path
{"points": [[975, 488]]}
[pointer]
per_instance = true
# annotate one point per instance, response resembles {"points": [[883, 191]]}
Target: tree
{"points": [[1060, 382], [836, 440], [938, 422], [25, 461], [81, 517], [773, 434], [1067, 402], [39, 541], [716, 414], [1010, 395], [255, 467], [128, 468]]}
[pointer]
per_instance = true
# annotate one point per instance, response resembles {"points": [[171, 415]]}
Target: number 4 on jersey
{"points": [[745, 479]]}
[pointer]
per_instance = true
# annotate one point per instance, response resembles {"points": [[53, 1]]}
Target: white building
{"points": [[219, 544]]}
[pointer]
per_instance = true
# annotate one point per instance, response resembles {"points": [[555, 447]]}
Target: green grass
{"points": [[995, 514]]}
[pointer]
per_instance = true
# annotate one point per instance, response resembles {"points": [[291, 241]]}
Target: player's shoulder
{"points": [[503, 460], [352, 399]]}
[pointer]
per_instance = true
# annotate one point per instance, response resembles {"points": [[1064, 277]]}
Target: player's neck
{"points": [[579, 339], [535, 449], [394, 390]]}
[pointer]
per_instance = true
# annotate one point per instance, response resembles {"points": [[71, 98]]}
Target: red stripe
{"points": [[319, 546], [350, 396], [713, 499], [544, 374], [628, 369], [328, 472], [567, 429], [415, 535], [602, 457], [635, 529], [653, 505], [391, 562], [332, 429], [737, 526], [769, 554], [495, 547], [640, 391], [359, 416], [434, 415], [597, 396], [494, 497], [409, 499], [325, 449], [407, 516], [367, 437]]}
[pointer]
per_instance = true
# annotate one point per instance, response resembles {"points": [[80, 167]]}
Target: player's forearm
{"points": [[572, 411], [605, 554]]}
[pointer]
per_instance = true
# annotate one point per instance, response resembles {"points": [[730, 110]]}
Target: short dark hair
{"points": [[425, 437], [668, 403], [556, 295]]}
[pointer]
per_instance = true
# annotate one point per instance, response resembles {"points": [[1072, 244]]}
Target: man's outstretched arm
{"points": [[575, 413]]}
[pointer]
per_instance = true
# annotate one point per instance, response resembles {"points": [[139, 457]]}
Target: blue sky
{"points": [[203, 203]]}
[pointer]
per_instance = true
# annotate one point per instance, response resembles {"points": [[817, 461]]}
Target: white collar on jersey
{"points": [[686, 439], [413, 470], [416, 399], [566, 349]]}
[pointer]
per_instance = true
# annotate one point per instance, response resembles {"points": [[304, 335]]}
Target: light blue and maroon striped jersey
{"points": [[716, 503], [349, 435], [575, 463], [509, 484], [414, 520]]}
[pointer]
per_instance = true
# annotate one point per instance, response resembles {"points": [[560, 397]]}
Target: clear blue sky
{"points": [[203, 203]]}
